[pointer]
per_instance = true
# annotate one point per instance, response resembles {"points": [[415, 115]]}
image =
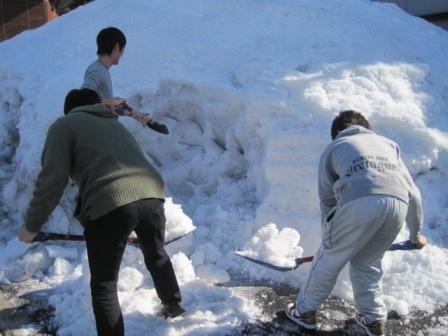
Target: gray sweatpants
{"points": [[358, 232]]}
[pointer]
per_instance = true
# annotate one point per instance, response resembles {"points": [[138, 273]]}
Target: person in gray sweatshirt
{"points": [[366, 194], [111, 44]]}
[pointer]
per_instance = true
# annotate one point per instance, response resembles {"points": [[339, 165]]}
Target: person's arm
{"points": [[114, 102], [326, 179], [123, 109], [92, 79], [414, 217], [52, 179]]}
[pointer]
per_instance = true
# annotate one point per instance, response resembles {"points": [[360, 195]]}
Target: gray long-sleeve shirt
{"points": [[97, 77], [359, 163]]}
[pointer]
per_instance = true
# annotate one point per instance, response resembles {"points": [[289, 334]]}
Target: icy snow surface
{"points": [[248, 90]]}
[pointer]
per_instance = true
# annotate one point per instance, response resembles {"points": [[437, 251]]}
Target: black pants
{"points": [[106, 240]]}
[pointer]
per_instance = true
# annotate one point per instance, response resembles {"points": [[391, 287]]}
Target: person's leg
{"points": [[106, 240], [351, 227], [150, 231], [365, 267]]}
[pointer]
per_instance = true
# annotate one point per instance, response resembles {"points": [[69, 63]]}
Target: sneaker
{"points": [[306, 320], [377, 328], [171, 311]]}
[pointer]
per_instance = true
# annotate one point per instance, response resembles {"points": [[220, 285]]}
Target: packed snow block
{"points": [[62, 267], [183, 268], [177, 222], [55, 251], [13, 249], [9, 193], [278, 247], [212, 274], [129, 279], [184, 245]]}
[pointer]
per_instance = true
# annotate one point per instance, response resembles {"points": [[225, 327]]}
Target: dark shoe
{"points": [[171, 311], [377, 328], [306, 320]]}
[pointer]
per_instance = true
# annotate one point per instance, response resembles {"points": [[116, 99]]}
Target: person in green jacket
{"points": [[119, 192]]}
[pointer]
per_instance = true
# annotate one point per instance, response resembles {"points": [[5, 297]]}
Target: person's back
{"points": [[366, 193], [366, 164], [119, 192], [97, 78], [108, 164], [111, 43]]}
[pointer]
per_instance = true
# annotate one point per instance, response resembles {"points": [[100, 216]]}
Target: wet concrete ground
{"points": [[20, 308], [335, 317]]}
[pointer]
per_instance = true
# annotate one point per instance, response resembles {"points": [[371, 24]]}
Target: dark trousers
{"points": [[106, 240]]}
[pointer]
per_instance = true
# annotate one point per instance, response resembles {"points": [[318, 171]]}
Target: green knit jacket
{"points": [[101, 156]]}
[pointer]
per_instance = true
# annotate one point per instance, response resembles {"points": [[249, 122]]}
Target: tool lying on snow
{"points": [[46, 236], [403, 246]]}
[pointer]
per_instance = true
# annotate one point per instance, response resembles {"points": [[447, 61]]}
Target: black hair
{"points": [[346, 119], [108, 38], [80, 97]]}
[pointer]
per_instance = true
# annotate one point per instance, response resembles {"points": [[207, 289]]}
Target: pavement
{"points": [[21, 307], [335, 317]]}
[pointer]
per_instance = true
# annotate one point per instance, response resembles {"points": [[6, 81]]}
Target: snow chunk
{"points": [[62, 267], [183, 268], [177, 222], [13, 249], [129, 279], [273, 246], [55, 251], [212, 274]]}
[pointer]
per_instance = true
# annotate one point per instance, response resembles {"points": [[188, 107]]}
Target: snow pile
{"points": [[248, 91], [273, 246]]}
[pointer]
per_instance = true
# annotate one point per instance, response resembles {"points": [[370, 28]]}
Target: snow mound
{"points": [[248, 90]]}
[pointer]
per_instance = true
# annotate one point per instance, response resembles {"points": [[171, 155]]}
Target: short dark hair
{"points": [[346, 119], [80, 97], [108, 38]]}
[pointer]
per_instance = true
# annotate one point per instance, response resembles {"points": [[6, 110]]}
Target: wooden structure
{"points": [[19, 15]]}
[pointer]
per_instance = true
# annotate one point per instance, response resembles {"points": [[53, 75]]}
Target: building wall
{"points": [[421, 7], [19, 15]]}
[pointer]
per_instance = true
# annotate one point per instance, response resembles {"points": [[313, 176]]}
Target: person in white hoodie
{"points": [[366, 194]]}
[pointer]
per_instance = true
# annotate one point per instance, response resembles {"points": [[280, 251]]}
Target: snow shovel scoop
{"points": [[402, 246], [46, 236], [154, 125]]}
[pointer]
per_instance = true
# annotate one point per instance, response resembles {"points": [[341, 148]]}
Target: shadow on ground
{"points": [[335, 317], [19, 309]]}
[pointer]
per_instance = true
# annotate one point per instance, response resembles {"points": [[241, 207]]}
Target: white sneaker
{"points": [[306, 320], [376, 328]]}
